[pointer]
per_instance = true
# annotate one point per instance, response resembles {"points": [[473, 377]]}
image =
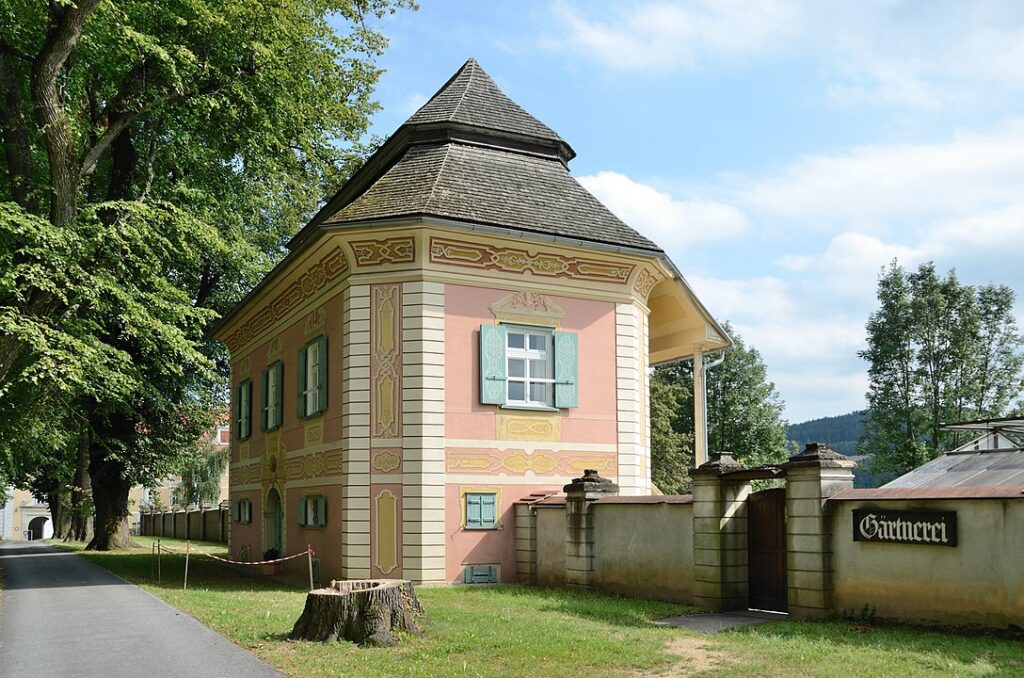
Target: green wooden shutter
{"points": [[566, 370], [493, 366], [300, 382], [321, 511], [488, 511], [473, 510], [321, 349], [265, 402], [279, 394], [300, 511], [238, 511]]}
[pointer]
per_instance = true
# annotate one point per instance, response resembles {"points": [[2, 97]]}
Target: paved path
{"points": [[712, 622], [60, 615]]}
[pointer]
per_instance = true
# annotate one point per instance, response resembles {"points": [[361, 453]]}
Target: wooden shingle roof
{"points": [[473, 155]]}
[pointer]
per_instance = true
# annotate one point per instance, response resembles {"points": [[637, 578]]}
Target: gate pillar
{"points": [[812, 477], [720, 535], [579, 524]]}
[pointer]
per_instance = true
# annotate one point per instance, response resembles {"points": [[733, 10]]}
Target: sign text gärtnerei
{"points": [[937, 528]]}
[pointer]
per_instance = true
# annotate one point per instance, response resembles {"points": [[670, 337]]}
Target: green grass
{"points": [[522, 632]]}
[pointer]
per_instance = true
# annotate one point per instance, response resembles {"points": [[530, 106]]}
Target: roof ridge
{"points": [[438, 175], [469, 84]]}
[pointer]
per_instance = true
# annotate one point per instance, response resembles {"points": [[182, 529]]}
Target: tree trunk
{"points": [[17, 148], [364, 612], [56, 503], [110, 496], [81, 490]]}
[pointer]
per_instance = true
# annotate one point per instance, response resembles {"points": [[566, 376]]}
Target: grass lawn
{"points": [[522, 632]]}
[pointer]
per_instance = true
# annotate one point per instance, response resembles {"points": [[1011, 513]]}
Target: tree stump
{"points": [[363, 611]]}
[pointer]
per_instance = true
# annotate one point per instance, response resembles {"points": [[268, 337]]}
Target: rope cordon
{"points": [[300, 554]]}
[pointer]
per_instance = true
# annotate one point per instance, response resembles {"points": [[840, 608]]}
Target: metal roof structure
{"points": [[993, 460]]}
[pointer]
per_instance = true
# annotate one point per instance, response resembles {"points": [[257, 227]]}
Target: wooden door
{"points": [[766, 539]]}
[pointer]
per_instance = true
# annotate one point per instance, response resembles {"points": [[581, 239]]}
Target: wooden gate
{"points": [[766, 540]]}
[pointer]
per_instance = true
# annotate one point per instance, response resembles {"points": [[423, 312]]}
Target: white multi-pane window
{"points": [[244, 416], [313, 378], [272, 397], [530, 367]]}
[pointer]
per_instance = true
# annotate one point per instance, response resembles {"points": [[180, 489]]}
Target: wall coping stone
{"points": [[819, 455]]}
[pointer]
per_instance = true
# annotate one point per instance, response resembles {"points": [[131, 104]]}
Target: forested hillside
{"points": [[840, 432]]}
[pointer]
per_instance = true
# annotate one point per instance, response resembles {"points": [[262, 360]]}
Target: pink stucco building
{"points": [[461, 326]]}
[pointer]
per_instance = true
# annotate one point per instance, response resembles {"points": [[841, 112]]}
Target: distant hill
{"points": [[841, 433]]}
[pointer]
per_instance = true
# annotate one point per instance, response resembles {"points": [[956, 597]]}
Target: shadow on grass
{"points": [[1003, 651], [140, 567], [601, 607]]}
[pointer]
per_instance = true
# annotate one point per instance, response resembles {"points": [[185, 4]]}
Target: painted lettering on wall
{"points": [[937, 528]]}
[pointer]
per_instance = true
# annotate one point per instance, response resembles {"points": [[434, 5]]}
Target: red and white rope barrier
{"points": [[308, 553]]}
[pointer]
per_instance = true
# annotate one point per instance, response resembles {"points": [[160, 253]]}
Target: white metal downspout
{"points": [[704, 399]]}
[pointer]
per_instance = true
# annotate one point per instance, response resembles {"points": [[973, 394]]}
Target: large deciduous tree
{"points": [[744, 415], [156, 156], [938, 351]]}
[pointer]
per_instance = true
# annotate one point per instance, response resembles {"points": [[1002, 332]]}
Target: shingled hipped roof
{"points": [[472, 154]]}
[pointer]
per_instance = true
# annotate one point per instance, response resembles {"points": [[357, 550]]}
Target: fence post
{"points": [[188, 547], [159, 574], [309, 557]]}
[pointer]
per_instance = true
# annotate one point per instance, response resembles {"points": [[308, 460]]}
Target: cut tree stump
{"points": [[362, 611]]}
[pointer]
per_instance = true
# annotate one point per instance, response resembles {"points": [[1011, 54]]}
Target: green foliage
{"points": [[938, 352], [157, 158], [201, 475], [841, 432], [744, 414]]}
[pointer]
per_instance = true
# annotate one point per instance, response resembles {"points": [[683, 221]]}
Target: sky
{"points": [[780, 152]]}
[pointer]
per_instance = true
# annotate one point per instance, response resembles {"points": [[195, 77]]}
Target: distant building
{"points": [[23, 517]]}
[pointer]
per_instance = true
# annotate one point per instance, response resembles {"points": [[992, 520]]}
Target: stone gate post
{"points": [[579, 526], [812, 477], [720, 535]]}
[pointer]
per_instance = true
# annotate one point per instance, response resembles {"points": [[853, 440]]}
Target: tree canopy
{"points": [[744, 415], [157, 156], [938, 351]]}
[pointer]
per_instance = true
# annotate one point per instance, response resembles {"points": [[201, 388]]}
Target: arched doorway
{"points": [[37, 527], [273, 523]]}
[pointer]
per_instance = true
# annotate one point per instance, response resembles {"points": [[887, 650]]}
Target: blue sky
{"points": [[781, 152]]}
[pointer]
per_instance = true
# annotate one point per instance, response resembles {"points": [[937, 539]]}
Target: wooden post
{"points": [[309, 556], [188, 545], [159, 577]]}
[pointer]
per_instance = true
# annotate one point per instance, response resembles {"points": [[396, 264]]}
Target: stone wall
{"points": [[979, 581]]}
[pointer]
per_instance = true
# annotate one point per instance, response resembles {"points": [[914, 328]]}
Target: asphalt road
{"points": [[60, 615]]}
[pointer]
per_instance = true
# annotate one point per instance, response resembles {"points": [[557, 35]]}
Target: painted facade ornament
{"points": [[316, 465], [274, 350], [511, 260], [400, 250], [519, 462], [315, 323], [386, 461], [386, 361], [329, 268], [644, 283], [528, 308], [386, 537]]}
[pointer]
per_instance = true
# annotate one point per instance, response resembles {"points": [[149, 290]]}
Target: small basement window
{"points": [[480, 574]]}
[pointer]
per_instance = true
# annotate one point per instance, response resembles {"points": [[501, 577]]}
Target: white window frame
{"points": [[245, 409], [311, 394], [274, 409], [527, 355]]}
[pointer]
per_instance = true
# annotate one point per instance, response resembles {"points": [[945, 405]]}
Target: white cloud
{"points": [[661, 217], [876, 53], [745, 299], [881, 187], [413, 102], [665, 36]]}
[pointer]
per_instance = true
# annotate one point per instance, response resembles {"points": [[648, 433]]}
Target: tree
{"points": [[200, 476], [156, 158], [938, 351], [744, 414]]}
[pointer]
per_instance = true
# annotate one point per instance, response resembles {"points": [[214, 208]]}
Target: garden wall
{"points": [[208, 524], [979, 581]]}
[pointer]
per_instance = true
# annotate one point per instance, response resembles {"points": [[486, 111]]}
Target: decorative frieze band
{"points": [[330, 267], [511, 260], [401, 250]]}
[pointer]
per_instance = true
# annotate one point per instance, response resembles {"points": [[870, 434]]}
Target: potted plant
{"points": [[271, 568]]}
